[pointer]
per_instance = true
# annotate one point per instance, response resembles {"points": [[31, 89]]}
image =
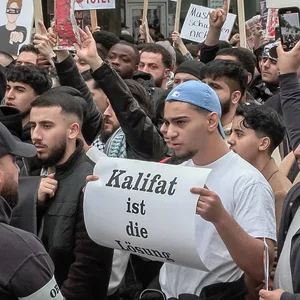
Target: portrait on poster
{"points": [[16, 21]]}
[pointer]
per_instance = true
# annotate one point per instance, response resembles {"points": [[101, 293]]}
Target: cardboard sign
{"points": [[95, 4], [66, 25], [196, 24], [18, 17], [250, 27], [281, 3], [146, 209]]}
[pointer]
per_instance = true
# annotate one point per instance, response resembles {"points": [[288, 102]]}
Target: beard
{"points": [[56, 154], [159, 81], [10, 193], [225, 106], [183, 157], [105, 135]]}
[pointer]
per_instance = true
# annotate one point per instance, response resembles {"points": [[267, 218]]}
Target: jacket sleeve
{"points": [[290, 101], [208, 53], [289, 296], [142, 136], [69, 75], [89, 275]]}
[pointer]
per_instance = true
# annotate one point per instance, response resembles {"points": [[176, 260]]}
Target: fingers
{"points": [[88, 32], [91, 178], [42, 27], [225, 8], [201, 191]]}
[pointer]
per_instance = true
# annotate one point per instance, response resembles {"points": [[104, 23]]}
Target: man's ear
{"points": [[167, 73], [236, 97], [212, 121], [74, 131], [264, 144], [249, 77]]}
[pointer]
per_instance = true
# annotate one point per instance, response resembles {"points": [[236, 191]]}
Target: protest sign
{"points": [[79, 18], [250, 29], [272, 23], [196, 24], [281, 3], [146, 209], [263, 14], [66, 25], [16, 22], [95, 4]]}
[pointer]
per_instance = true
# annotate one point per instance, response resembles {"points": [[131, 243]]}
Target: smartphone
{"points": [[289, 26]]}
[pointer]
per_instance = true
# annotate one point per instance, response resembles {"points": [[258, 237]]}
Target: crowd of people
{"points": [[214, 105]]}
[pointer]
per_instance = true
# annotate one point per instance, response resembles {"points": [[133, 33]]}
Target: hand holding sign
{"points": [[16, 37], [209, 205], [270, 295], [218, 17]]}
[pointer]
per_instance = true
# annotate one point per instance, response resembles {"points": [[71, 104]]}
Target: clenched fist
{"points": [[47, 189], [16, 37]]}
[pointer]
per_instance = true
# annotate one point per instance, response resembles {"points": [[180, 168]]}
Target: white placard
{"points": [[146, 209], [94, 4], [196, 24], [282, 3], [20, 17], [216, 3]]}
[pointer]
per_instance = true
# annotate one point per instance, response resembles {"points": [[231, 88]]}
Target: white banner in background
{"points": [[282, 3], [94, 4], [196, 24], [146, 209]]}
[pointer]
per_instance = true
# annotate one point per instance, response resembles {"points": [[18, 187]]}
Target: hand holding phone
{"points": [[289, 25]]}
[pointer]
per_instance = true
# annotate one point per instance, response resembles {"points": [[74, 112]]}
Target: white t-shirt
{"points": [[247, 196]]}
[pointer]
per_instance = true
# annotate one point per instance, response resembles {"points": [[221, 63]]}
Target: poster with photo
{"points": [[16, 22]]}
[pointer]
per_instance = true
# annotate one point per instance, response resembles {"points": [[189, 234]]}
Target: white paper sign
{"points": [[94, 4], [146, 209], [196, 24], [281, 3]]}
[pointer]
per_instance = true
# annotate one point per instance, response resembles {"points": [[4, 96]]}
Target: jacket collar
{"points": [[5, 211], [65, 169], [270, 169]]}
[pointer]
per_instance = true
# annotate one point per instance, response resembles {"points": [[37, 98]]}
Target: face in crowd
{"points": [[13, 10], [124, 59], [27, 58]]}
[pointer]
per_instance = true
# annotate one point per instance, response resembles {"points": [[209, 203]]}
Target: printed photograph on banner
{"points": [[215, 3], [66, 25], [94, 4], [196, 24], [272, 23], [250, 30], [16, 22], [137, 207], [263, 14]]}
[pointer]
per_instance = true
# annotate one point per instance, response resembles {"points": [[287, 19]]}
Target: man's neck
{"points": [[11, 26], [228, 118], [25, 120], [214, 149], [261, 161]]}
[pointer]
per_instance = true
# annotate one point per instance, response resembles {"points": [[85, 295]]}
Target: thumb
{"points": [[51, 176], [43, 28], [279, 50]]}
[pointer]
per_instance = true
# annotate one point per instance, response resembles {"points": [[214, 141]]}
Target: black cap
{"points": [[9, 145], [192, 67], [11, 118]]}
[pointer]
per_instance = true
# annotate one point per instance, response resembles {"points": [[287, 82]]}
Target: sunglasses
{"points": [[13, 11]]}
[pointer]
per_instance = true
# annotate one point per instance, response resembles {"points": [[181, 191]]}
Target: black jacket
{"points": [[82, 268], [290, 100], [25, 265], [143, 139]]}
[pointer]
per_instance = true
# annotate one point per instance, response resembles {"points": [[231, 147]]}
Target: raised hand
{"points": [[218, 17], [288, 62]]}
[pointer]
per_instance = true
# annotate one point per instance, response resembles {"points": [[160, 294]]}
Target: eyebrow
{"points": [[41, 122], [177, 119]]}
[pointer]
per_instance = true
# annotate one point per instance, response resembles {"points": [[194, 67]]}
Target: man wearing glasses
{"points": [[11, 34]]}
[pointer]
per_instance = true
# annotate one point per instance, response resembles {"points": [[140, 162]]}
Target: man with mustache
{"points": [[22, 253]]}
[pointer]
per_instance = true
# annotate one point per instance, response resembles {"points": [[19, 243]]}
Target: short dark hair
{"points": [[105, 38], [34, 76], [69, 99], [233, 73], [166, 55], [28, 48], [243, 56], [264, 120], [127, 38]]}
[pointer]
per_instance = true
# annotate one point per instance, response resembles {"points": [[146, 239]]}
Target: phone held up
{"points": [[289, 25]]}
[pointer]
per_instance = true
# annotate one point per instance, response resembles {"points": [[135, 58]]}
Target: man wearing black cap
{"points": [[188, 70], [26, 268]]}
